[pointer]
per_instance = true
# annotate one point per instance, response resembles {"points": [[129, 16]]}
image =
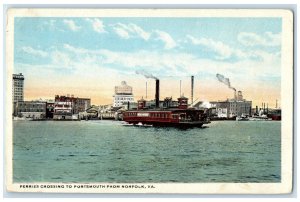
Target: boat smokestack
{"points": [[157, 93], [192, 89]]}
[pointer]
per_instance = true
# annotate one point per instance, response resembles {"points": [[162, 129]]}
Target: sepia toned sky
{"points": [[87, 57]]}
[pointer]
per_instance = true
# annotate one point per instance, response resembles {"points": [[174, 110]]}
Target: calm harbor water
{"points": [[107, 151]]}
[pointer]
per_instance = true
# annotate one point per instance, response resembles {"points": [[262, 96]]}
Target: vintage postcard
{"points": [[149, 101]]}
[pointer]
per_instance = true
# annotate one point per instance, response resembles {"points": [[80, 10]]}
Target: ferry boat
{"points": [[179, 116]]}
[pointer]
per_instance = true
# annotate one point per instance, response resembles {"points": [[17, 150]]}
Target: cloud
{"points": [[97, 24], [121, 32], [139, 31], [253, 39], [77, 50], [127, 31], [60, 58], [166, 39], [71, 24], [174, 63], [30, 50], [48, 25], [130, 30], [224, 51]]}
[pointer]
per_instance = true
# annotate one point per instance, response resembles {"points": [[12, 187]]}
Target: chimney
{"points": [[235, 97], [157, 94], [240, 95], [192, 89]]}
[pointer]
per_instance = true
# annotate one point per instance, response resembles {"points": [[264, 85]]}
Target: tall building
{"points": [[18, 87], [123, 94]]}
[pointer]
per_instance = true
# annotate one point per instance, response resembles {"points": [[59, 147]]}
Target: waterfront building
{"points": [[129, 105], [18, 87], [229, 108], [30, 109], [49, 109], [232, 108], [123, 94], [69, 107]]}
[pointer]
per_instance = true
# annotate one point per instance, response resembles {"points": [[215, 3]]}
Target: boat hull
{"points": [[167, 118], [169, 124]]}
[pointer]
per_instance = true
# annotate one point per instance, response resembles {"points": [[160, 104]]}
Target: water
{"points": [[106, 151]]}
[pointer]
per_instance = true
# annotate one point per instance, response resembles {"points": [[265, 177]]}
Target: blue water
{"points": [[107, 151]]}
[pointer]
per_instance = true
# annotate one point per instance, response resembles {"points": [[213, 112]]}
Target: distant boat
{"points": [[242, 118], [260, 118], [16, 118]]}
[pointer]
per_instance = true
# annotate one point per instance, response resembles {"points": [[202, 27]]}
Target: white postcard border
{"points": [[208, 188]]}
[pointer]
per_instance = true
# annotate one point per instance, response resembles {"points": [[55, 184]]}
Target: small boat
{"points": [[242, 118], [16, 118], [260, 118]]}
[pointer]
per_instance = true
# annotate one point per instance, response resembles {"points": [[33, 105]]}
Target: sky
{"points": [[87, 57]]}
